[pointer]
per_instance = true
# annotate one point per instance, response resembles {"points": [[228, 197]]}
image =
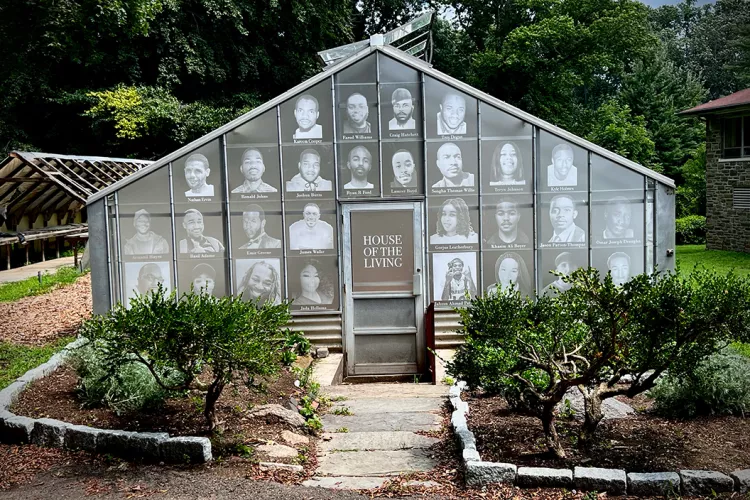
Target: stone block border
{"points": [[613, 481], [154, 446]]}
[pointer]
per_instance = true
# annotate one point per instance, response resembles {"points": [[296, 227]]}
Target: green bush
{"points": [[720, 385], [129, 388], [691, 230]]}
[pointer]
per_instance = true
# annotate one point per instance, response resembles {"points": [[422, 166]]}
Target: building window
{"points": [[736, 134]]}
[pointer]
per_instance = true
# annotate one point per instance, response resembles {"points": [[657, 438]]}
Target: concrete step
{"points": [[345, 483], [374, 441], [375, 463], [368, 422], [359, 391], [363, 405]]}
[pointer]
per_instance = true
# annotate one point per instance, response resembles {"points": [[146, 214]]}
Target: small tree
{"points": [[589, 337], [232, 337]]}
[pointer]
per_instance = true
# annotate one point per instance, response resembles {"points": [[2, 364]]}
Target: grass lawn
{"points": [[717, 260], [15, 360], [31, 286]]}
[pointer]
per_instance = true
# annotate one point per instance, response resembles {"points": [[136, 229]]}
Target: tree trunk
{"points": [[214, 391], [592, 411], [550, 431]]}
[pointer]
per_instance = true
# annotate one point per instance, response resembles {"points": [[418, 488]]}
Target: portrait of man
{"points": [[261, 282], [458, 281], [563, 264], [149, 278], [196, 174], [252, 168], [204, 279], [562, 216], [308, 178], [311, 233], [145, 241], [357, 112], [196, 242], [450, 164], [562, 172], [403, 111], [450, 117], [617, 215], [403, 170], [507, 217], [359, 164], [306, 112], [254, 225], [619, 265]]}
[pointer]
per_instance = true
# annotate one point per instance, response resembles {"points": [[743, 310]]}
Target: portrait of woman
{"points": [[507, 166], [454, 224], [512, 275], [314, 285], [261, 283]]}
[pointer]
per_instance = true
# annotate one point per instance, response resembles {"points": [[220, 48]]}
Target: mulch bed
{"points": [[641, 443]]}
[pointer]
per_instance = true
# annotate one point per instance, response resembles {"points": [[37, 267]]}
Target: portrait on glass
{"points": [[511, 273], [145, 241], [454, 276], [307, 178], [204, 279], [307, 118], [451, 167], [311, 232], [403, 167], [564, 218], [306, 114], [562, 166], [622, 263], [453, 224], [565, 264], [508, 223], [259, 280], [254, 222], [450, 114], [195, 241], [403, 105], [358, 116], [197, 171], [253, 167], [618, 219], [316, 282], [562, 171], [142, 278], [359, 164]]}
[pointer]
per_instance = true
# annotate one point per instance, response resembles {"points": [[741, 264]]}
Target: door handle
{"points": [[417, 285]]}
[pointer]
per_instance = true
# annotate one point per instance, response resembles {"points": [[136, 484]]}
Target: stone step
{"points": [[374, 441], [358, 391], [368, 422], [390, 405], [345, 483], [375, 463]]}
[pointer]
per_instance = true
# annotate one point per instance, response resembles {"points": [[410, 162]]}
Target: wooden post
{"points": [[57, 248], [27, 254], [75, 253], [44, 258], [10, 248]]}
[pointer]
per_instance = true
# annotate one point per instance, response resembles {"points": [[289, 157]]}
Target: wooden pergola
{"points": [[34, 184]]}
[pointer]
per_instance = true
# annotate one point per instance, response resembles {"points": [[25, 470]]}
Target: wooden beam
{"points": [[61, 184], [24, 179]]}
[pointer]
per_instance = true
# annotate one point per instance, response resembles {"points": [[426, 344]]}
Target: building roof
{"points": [[722, 104], [408, 60], [34, 183]]}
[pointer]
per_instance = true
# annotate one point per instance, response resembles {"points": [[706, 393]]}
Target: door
{"points": [[383, 285]]}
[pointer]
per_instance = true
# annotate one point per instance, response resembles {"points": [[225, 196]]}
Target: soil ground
{"points": [[641, 443]]}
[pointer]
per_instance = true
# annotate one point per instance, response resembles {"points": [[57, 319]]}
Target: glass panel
{"points": [[359, 170], [508, 270], [496, 123], [313, 283], [607, 175], [563, 220], [310, 227], [381, 313], [357, 112], [506, 166], [386, 349], [254, 173], [153, 188], [208, 276], [665, 227], [382, 251], [732, 132], [454, 275], [562, 166], [363, 71], [308, 117], [565, 262], [392, 71], [403, 169], [256, 229], [623, 263], [259, 279], [617, 218], [452, 167], [746, 136], [143, 277], [649, 231], [146, 232], [453, 223], [451, 114], [401, 110], [260, 130], [197, 176], [508, 222], [308, 172], [199, 231]]}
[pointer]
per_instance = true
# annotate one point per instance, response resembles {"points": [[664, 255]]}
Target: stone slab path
{"points": [[379, 438]]}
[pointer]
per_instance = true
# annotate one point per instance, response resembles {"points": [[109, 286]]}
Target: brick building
{"points": [[727, 170]]}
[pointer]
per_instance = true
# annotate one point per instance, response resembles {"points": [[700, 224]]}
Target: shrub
{"points": [[720, 385], [691, 230], [130, 388], [232, 337]]}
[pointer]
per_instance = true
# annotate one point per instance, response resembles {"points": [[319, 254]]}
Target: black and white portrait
{"points": [[562, 166], [358, 115], [623, 263], [142, 278], [507, 166], [618, 220], [510, 271], [451, 167], [359, 163], [451, 114], [451, 119], [564, 217], [195, 241], [313, 282], [204, 278], [254, 223], [619, 265], [310, 232], [308, 178], [145, 241], [197, 171], [565, 263], [259, 280], [508, 223], [403, 168], [454, 276], [453, 226], [562, 171], [307, 118], [403, 105], [306, 114], [252, 166], [618, 215]]}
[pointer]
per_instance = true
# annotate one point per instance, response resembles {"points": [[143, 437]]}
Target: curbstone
{"points": [[481, 473], [470, 455], [16, 430], [653, 484], [465, 438], [112, 441], [461, 384], [613, 481], [454, 391], [9, 395], [544, 477], [278, 466], [81, 437], [49, 432], [741, 480], [458, 419], [455, 400], [183, 448], [146, 445], [705, 482], [463, 407]]}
